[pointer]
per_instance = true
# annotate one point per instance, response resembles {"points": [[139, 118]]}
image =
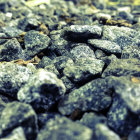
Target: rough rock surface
{"points": [[76, 63], [11, 50], [63, 128], [35, 42], [18, 114], [87, 97], [105, 45], [42, 90], [84, 69], [82, 32], [13, 77]]}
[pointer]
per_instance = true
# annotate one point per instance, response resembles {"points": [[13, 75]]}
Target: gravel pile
{"points": [[69, 70]]}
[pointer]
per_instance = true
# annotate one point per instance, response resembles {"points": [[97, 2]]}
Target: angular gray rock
{"points": [[27, 24], [42, 90], [102, 132], [61, 62], [82, 51], [61, 128], [91, 120], [123, 115], [68, 84], [105, 45], [131, 52], [13, 77], [123, 36], [44, 62], [11, 31], [16, 134], [35, 42], [92, 96], [11, 50], [16, 115], [99, 54], [52, 68], [123, 67], [84, 69], [81, 32]]}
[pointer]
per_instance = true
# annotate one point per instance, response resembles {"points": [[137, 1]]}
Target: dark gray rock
{"points": [[82, 51], [61, 62], [123, 67], [92, 119], [135, 134], [58, 44], [13, 77], [108, 59], [129, 92], [35, 42], [60, 47], [44, 62], [52, 68], [123, 36], [123, 115], [102, 132], [99, 54], [43, 118], [11, 50], [18, 114], [80, 33], [105, 45], [68, 84], [16, 134], [84, 69], [94, 95], [131, 52], [27, 24], [62, 128], [42, 90], [11, 31], [120, 119]]}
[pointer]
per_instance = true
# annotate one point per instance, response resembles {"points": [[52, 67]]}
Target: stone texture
{"points": [[105, 45], [82, 51], [123, 67], [131, 52], [123, 116], [123, 36], [84, 69], [35, 42], [11, 31], [11, 50], [102, 132], [92, 96], [61, 62], [13, 77], [52, 68], [42, 90], [92, 119], [16, 134], [82, 32], [99, 54], [63, 128], [44, 62], [27, 24], [18, 114], [68, 84]]}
